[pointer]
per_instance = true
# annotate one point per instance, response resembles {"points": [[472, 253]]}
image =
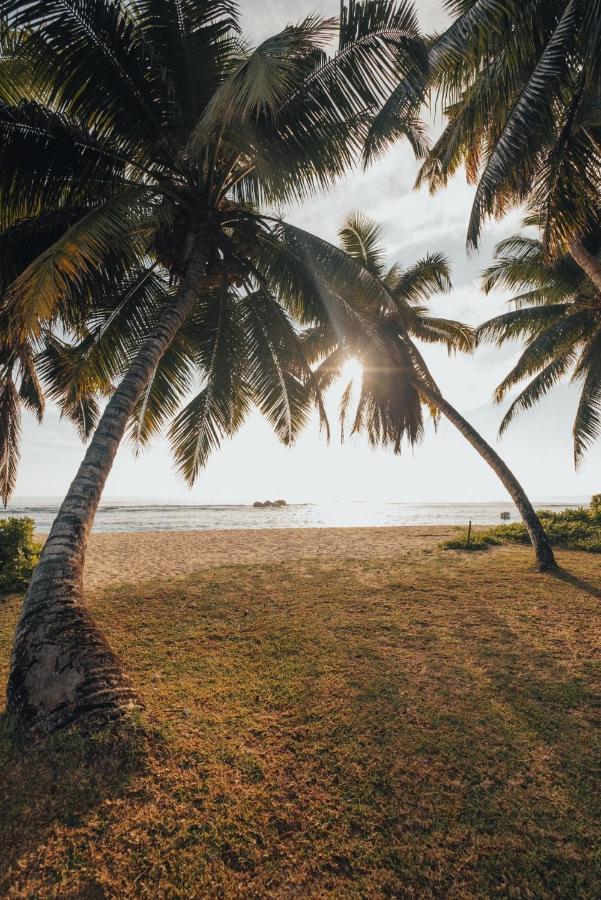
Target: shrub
{"points": [[479, 540], [571, 529], [596, 505], [18, 554]]}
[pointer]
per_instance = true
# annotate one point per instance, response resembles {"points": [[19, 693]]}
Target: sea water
{"points": [[128, 515]]}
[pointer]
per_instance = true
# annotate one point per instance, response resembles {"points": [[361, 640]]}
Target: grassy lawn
{"points": [[424, 726]]}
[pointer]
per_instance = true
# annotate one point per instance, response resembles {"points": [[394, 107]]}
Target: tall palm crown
{"points": [[520, 82], [378, 318], [558, 315], [131, 132], [379, 327]]}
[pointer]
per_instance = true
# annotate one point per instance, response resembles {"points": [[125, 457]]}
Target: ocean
{"points": [[130, 515]]}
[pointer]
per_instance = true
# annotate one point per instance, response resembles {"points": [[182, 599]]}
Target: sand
{"points": [[139, 556]]}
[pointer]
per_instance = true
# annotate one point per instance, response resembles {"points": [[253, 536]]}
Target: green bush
{"points": [[571, 529], [18, 554], [596, 505]]}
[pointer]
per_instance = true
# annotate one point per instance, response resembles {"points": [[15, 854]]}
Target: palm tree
{"points": [[558, 315], [161, 140], [521, 85], [379, 327]]}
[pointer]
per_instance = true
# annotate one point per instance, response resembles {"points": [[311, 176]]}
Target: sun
{"points": [[352, 370]]}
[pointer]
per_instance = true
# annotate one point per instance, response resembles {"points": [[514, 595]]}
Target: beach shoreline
{"points": [[119, 557]]}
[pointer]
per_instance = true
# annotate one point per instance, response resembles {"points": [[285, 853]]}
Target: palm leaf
{"points": [[169, 384], [587, 424], [361, 238], [530, 115], [86, 247], [547, 345], [538, 387], [190, 41], [127, 94], [264, 79], [272, 372], [426, 277], [520, 323], [219, 409]]}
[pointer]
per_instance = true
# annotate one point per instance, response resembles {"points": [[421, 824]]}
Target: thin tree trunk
{"points": [[62, 668], [540, 542], [587, 262]]}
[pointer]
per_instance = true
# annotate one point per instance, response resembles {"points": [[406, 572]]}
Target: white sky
{"points": [[444, 468]]}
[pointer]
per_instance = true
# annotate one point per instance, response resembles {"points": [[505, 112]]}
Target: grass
{"points": [[477, 540], [419, 727]]}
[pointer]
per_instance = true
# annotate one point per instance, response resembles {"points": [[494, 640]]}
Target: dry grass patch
{"points": [[347, 728]]}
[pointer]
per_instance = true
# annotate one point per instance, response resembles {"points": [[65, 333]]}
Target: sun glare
{"points": [[352, 370]]}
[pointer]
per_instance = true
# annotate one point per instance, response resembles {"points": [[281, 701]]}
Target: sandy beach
{"points": [[139, 556]]}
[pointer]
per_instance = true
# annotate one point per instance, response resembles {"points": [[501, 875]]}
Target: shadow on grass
{"points": [[552, 710], [579, 583], [419, 774], [59, 781]]}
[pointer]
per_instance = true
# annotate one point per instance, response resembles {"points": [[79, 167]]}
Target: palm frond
{"points": [[72, 384], [361, 238], [522, 323], [426, 277], [389, 408], [128, 93], [171, 381], [530, 115], [538, 387], [455, 335], [322, 125], [276, 380], [191, 41], [31, 393], [546, 346], [85, 248], [219, 409], [265, 78], [587, 425]]}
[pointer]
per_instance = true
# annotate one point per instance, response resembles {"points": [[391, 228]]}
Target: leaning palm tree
{"points": [[379, 327], [558, 316], [520, 82], [162, 139]]}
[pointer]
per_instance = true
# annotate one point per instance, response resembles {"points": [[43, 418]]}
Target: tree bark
{"points": [[587, 262], [544, 553], [62, 668]]}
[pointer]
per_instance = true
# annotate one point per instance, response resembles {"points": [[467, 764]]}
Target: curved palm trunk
{"points": [[587, 262], [62, 668], [540, 542]]}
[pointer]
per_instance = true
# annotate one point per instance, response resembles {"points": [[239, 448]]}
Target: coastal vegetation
{"points": [[417, 722], [574, 528], [19, 554]]}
